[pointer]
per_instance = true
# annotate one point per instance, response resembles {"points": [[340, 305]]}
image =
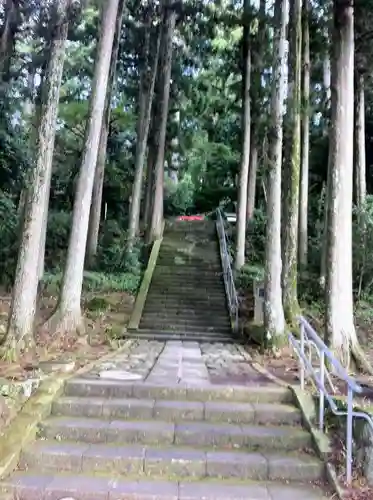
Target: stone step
{"points": [[32, 485], [201, 319], [170, 462], [149, 409], [185, 269], [159, 336], [195, 434], [207, 305], [176, 327], [185, 310], [192, 294], [91, 387], [201, 288]]}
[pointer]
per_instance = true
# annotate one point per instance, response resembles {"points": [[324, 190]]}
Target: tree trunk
{"points": [[7, 40], [98, 185], [340, 329], [360, 163], [290, 250], [21, 321], [157, 213], [251, 185], [148, 202], [145, 113], [303, 194], [68, 317], [274, 321], [245, 151]]}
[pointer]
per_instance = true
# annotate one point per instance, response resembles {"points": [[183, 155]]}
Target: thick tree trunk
{"points": [[145, 113], [291, 197], [340, 329], [360, 162], [157, 213], [303, 194], [98, 185], [274, 321], [21, 321], [251, 184], [148, 202], [68, 317], [245, 148], [7, 40]]}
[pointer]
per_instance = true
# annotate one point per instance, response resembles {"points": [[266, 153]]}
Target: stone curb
{"points": [[23, 428], [135, 318], [306, 404]]}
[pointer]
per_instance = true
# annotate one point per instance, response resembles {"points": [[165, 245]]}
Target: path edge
{"points": [[138, 308], [23, 429], [307, 407]]}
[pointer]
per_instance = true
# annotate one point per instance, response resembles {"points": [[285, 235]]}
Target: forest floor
{"points": [[105, 314]]}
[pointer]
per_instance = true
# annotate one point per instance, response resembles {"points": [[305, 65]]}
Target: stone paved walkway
{"points": [[171, 421]]}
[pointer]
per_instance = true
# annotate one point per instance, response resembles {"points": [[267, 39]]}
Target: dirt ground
{"points": [[106, 316]]}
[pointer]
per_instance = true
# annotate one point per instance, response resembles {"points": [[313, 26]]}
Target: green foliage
{"points": [[9, 223], [96, 282], [179, 198], [255, 238], [249, 274]]}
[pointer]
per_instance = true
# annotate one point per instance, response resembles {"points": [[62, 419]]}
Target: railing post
{"points": [[349, 437], [321, 391], [301, 365]]}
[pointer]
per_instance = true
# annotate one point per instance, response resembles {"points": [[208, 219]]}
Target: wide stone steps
{"points": [[34, 486], [163, 336], [171, 410], [169, 462], [184, 327], [181, 317], [111, 439]]}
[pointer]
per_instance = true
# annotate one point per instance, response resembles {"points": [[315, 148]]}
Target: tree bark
{"points": [[274, 320], [145, 113], [251, 185], [360, 163], [303, 194], [68, 317], [7, 40], [340, 329], [21, 320], [245, 151], [157, 213], [98, 185], [291, 197]]}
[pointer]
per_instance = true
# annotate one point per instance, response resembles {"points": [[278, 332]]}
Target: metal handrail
{"points": [[311, 342], [230, 288]]}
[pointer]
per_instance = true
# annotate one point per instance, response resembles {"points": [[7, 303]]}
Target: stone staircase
{"points": [[146, 440], [186, 298]]}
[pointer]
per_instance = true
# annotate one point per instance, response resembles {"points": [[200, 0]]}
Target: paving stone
{"points": [[290, 492], [175, 462], [98, 388], [170, 391], [206, 434], [213, 491], [129, 408], [179, 410], [276, 414], [275, 438], [295, 468], [27, 486], [143, 490], [114, 459], [237, 465], [52, 455], [78, 487], [78, 407], [226, 412]]}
